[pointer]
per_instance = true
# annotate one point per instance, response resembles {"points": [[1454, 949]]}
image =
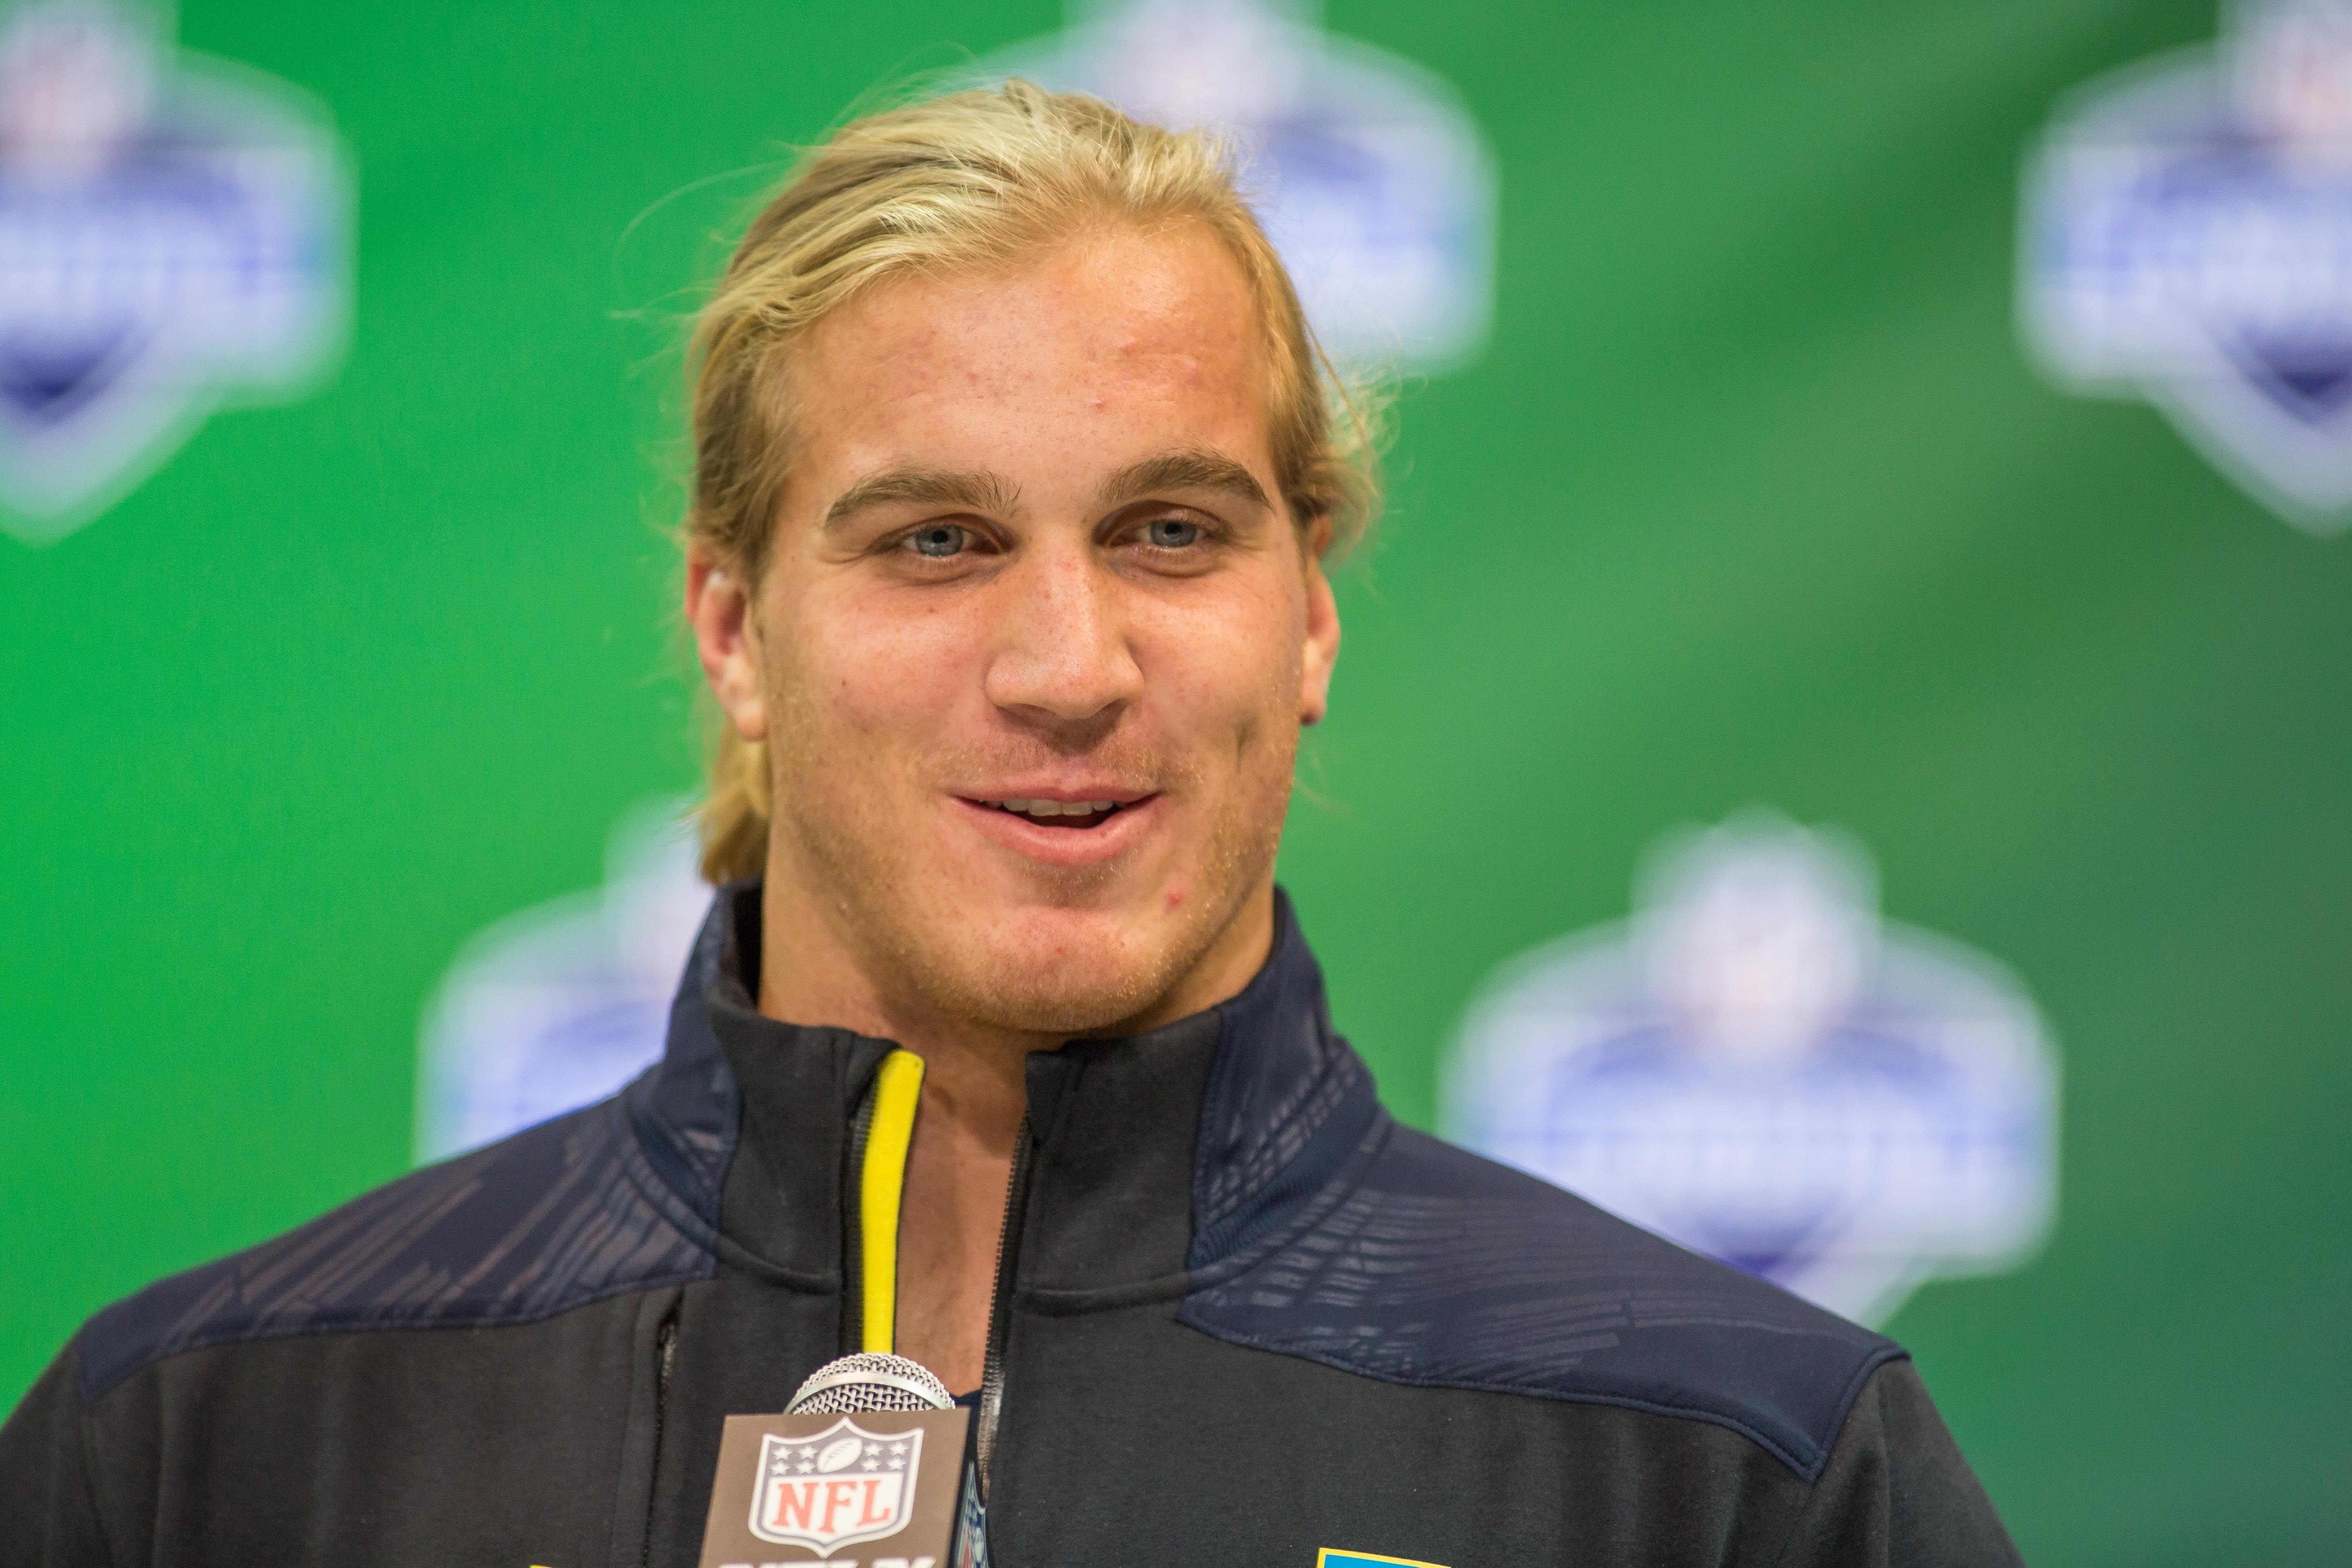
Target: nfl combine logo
{"points": [[2188, 240], [841, 1486], [558, 1005], [1367, 171], [1760, 1069], [172, 234]]}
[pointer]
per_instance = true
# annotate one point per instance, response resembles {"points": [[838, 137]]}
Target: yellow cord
{"points": [[897, 1085]]}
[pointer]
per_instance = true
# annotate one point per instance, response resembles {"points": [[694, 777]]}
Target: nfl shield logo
{"points": [[842, 1486]]}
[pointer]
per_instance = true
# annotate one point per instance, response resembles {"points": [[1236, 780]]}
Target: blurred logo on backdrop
{"points": [[563, 1004], [2188, 240], [1759, 1067], [1369, 173], [172, 235]]}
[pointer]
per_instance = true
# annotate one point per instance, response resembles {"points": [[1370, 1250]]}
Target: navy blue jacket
{"points": [[1246, 1317]]}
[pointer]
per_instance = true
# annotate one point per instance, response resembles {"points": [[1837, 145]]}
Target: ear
{"points": [[727, 640], [1322, 650]]}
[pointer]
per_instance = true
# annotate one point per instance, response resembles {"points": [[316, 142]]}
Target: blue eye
{"points": [[940, 541], [1173, 534]]}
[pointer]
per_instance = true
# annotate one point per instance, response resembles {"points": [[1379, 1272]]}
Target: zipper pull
{"points": [[881, 1190]]}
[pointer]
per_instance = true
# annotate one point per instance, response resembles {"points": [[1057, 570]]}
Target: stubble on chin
{"points": [[907, 927]]}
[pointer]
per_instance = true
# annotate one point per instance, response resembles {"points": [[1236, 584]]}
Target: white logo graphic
{"points": [[1369, 174], [2187, 238], [172, 233], [843, 1486], [564, 1004], [1760, 1070]]}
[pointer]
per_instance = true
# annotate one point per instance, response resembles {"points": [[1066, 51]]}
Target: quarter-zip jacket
{"points": [[1242, 1316]]}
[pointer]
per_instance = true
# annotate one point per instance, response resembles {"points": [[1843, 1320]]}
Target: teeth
{"points": [[1057, 807]]}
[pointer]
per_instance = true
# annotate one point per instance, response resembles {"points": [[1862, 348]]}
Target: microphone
{"points": [[873, 1454], [870, 1380]]}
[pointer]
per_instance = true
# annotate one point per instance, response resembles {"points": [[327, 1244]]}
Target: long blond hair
{"points": [[977, 177]]}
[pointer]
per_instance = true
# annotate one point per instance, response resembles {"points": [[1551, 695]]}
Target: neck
{"points": [[813, 972], [960, 1165]]}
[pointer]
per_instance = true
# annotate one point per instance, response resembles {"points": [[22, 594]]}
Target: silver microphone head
{"points": [[870, 1381]]}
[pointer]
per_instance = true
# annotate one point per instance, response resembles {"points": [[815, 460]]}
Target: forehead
{"points": [[1083, 356]]}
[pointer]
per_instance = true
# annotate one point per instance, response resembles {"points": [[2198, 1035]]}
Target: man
{"points": [[1015, 479]]}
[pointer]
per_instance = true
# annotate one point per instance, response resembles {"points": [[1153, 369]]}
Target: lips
{"points": [[1073, 829], [1079, 814]]}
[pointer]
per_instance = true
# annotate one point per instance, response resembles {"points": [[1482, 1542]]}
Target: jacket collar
{"points": [[1154, 1157]]}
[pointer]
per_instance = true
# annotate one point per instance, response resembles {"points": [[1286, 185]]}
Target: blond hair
{"points": [[971, 178]]}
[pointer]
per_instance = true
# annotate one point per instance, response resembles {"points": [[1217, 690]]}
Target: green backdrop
{"points": [[1752, 498]]}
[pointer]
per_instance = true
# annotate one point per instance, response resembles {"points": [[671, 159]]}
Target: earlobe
{"points": [[1322, 649], [727, 643]]}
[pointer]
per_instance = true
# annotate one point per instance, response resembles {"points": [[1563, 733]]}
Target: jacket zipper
{"points": [[1000, 1305], [664, 1353]]}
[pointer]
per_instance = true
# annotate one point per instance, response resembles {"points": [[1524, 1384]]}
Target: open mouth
{"points": [[1079, 814]]}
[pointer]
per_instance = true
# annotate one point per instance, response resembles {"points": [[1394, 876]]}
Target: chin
{"points": [[1079, 1011], [1066, 972]]}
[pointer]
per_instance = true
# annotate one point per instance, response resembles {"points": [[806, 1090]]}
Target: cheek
{"points": [[1228, 667], [855, 664]]}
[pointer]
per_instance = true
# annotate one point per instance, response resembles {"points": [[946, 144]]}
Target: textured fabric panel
{"points": [[1321, 1176], [551, 1218], [622, 1196], [1442, 1268], [1129, 1439], [1281, 1075], [686, 1108]]}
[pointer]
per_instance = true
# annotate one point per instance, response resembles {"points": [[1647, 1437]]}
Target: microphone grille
{"points": [[870, 1381]]}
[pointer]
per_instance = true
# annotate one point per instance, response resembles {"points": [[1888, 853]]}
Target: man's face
{"points": [[1036, 636]]}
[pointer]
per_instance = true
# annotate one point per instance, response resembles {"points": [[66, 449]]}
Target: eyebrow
{"points": [[972, 490], [1190, 468]]}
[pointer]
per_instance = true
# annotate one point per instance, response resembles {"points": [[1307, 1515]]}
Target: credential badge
{"points": [[173, 233], [843, 1486], [2187, 237]]}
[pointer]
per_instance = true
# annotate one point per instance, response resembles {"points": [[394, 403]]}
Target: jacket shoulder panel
{"points": [[557, 1215], [1435, 1267]]}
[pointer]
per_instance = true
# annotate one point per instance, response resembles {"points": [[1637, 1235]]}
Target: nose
{"points": [[1061, 656]]}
